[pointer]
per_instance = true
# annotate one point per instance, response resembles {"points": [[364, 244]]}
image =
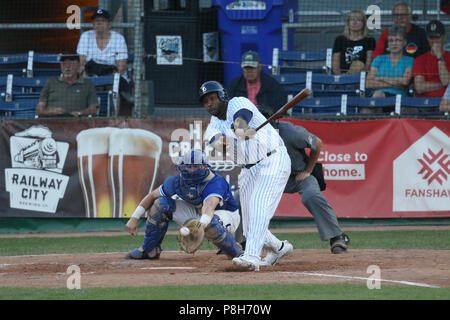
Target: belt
{"points": [[248, 166]]}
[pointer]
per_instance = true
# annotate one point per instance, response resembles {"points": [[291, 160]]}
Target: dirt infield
{"points": [[400, 267], [273, 230]]}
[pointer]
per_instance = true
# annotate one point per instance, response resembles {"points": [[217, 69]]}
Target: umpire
{"points": [[303, 180]]}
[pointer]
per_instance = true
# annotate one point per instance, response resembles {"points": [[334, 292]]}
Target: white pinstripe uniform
{"points": [[261, 186]]}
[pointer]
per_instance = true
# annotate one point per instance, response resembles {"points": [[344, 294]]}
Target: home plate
{"points": [[168, 268]]}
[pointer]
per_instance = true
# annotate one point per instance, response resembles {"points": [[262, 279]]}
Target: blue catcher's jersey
{"points": [[196, 194]]}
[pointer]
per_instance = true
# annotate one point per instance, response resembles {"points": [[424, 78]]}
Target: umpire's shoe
{"points": [[339, 243], [273, 257], [139, 254]]}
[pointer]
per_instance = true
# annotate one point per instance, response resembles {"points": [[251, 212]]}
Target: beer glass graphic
{"points": [[117, 168], [93, 146], [133, 163]]}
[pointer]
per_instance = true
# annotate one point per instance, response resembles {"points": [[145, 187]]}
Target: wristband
{"points": [[137, 214], [205, 219]]}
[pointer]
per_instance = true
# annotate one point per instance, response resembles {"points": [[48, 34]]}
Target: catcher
{"points": [[206, 209]]}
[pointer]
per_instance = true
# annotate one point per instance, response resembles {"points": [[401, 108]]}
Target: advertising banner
{"points": [[95, 168], [386, 168], [102, 168]]}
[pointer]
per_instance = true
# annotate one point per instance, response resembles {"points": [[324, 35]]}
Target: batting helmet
{"points": [[212, 86], [193, 166]]}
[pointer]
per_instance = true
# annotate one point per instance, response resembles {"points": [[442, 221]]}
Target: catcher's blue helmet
{"points": [[212, 86], [193, 166]]}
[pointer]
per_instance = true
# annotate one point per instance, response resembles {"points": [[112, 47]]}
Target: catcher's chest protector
{"points": [[192, 193]]}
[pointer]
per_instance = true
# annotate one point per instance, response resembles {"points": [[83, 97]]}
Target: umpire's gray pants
{"points": [[313, 199]]}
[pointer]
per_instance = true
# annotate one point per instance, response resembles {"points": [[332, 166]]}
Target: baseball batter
{"points": [[296, 139], [265, 168]]}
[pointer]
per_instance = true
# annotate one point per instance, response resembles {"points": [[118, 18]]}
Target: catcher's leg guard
{"points": [[157, 223], [222, 238]]}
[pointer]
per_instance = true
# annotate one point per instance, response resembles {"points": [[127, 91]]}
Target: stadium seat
{"points": [[426, 106], [13, 58], [20, 87], [355, 103], [34, 84], [108, 99], [290, 61], [13, 63], [6, 87], [326, 85], [320, 106], [292, 83], [40, 58], [17, 72], [3, 82], [46, 58], [18, 109]]}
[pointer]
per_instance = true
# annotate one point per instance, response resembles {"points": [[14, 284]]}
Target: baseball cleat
{"points": [[139, 255], [246, 263], [273, 257], [339, 243]]}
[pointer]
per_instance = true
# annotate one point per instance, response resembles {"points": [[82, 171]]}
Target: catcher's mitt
{"points": [[191, 242]]}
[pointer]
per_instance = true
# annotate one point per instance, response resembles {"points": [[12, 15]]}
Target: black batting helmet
{"points": [[212, 86]]}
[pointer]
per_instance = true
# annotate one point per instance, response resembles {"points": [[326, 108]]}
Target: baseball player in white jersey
{"points": [[266, 167]]}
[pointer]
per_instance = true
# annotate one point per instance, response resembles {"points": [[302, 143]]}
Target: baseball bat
{"points": [[299, 97]]}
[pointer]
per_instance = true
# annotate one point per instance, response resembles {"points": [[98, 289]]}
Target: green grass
{"points": [[396, 239], [233, 292]]}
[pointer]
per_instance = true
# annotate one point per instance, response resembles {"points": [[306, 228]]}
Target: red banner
{"points": [[388, 168]]}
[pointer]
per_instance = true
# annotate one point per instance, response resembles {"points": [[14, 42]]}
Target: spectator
{"points": [[416, 40], [352, 51], [390, 74], [103, 51], [445, 103], [68, 95], [256, 85], [430, 71]]}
